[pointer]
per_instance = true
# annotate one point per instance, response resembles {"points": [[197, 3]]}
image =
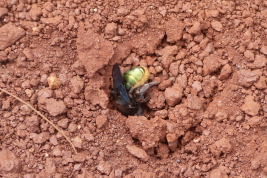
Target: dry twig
{"points": [[40, 114]]}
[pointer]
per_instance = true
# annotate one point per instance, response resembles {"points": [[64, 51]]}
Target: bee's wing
{"points": [[117, 76], [119, 88]]}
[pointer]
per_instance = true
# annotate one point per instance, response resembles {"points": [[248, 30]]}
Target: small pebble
{"points": [[53, 82]]}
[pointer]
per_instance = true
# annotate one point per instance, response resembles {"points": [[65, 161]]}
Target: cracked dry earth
{"points": [[207, 117]]}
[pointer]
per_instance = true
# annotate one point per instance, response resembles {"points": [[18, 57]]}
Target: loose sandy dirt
{"points": [[207, 117]]}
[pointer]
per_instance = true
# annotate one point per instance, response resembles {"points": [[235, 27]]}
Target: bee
{"points": [[130, 89]]}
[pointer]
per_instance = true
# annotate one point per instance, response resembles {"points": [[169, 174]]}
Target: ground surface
{"points": [[207, 117]]}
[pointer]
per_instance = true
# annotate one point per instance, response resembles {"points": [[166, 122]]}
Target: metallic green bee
{"points": [[130, 89], [134, 81]]}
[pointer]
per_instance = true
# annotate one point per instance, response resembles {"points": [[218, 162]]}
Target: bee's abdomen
{"points": [[135, 77]]}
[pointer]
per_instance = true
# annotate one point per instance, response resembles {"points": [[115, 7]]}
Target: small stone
{"points": [[55, 108], [50, 166], [181, 54], [254, 121], [53, 140], [163, 11], [221, 116], [214, 13], [101, 121], [118, 172], [247, 77], [3, 11], [158, 69], [137, 152], [195, 29], [76, 84], [10, 34], [9, 163], [239, 118], [79, 157], [174, 68], [208, 85], [25, 110], [148, 132], [49, 6], [57, 151], [255, 163], [162, 151], [221, 146], [260, 61], [88, 137], [247, 36], [96, 96], [174, 94], [250, 107], [6, 105], [3, 57], [26, 84], [28, 54], [249, 55], [264, 49], [111, 30], [161, 113], [41, 138], [211, 64], [172, 141], [167, 54], [63, 123], [32, 123], [104, 167], [218, 173], [174, 30], [166, 83], [72, 127], [77, 142], [225, 72], [216, 25], [52, 21], [194, 102], [77, 167], [78, 67], [93, 50], [35, 12], [197, 85], [261, 83], [29, 92], [157, 100], [53, 82], [141, 173], [45, 93], [69, 102]]}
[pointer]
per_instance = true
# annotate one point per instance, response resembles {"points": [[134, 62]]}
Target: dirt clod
{"points": [[173, 95], [9, 163], [138, 152], [149, 132], [93, 50], [101, 121], [250, 107], [54, 107], [96, 97], [9, 34], [104, 167]]}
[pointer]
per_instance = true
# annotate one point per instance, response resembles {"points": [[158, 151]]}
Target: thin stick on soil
{"points": [[40, 114]]}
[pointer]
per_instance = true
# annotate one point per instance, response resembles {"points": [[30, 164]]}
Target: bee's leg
{"points": [[139, 111], [144, 88], [130, 93], [141, 99]]}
